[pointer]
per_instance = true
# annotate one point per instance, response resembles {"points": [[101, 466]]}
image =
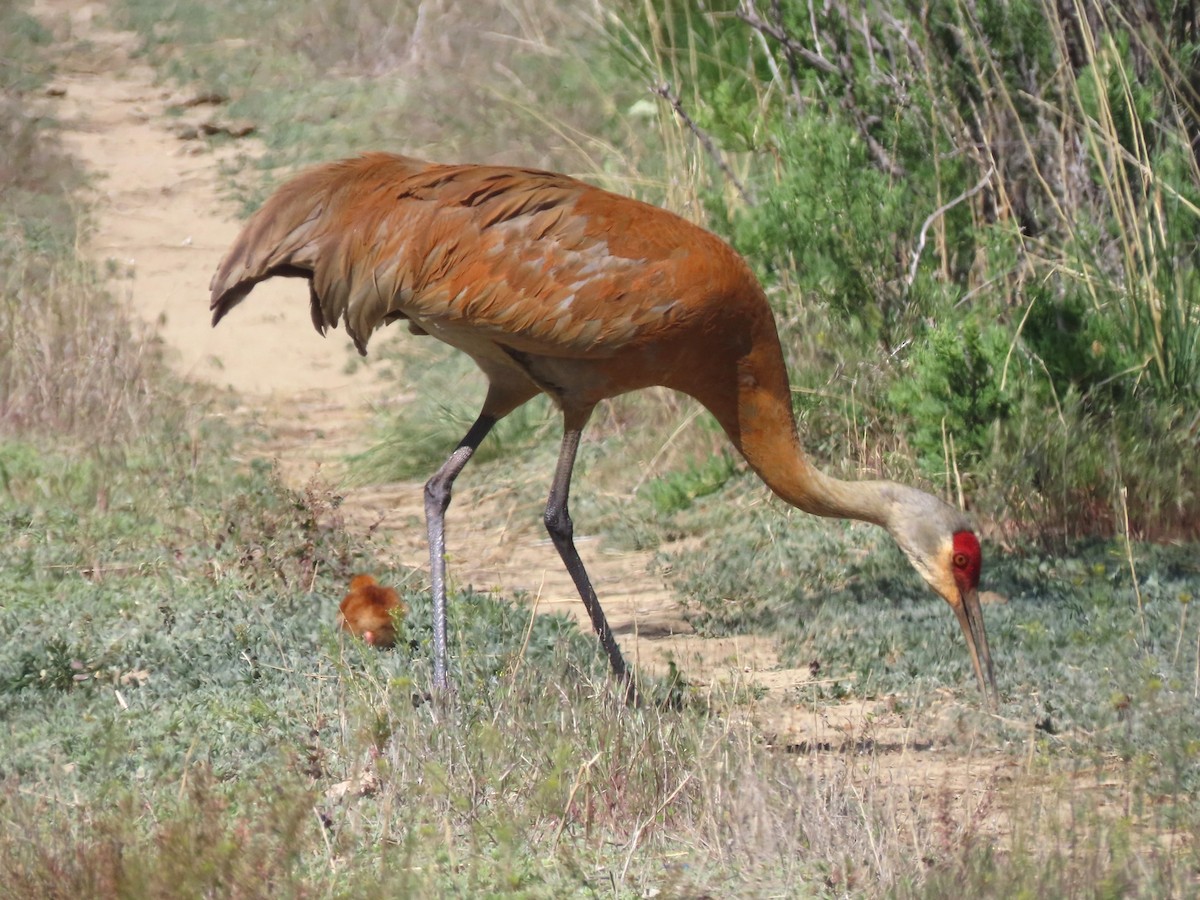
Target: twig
{"points": [[952, 465], [945, 456], [941, 211], [664, 91], [1013, 345], [537, 599], [844, 68], [793, 65], [687, 420], [1179, 640], [962, 503], [1137, 591], [747, 14], [882, 158], [649, 820], [562, 824], [325, 835]]}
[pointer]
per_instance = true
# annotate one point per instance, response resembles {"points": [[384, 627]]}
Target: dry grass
{"points": [[71, 362]]}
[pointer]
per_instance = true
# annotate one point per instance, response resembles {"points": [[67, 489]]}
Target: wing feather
{"points": [[540, 262]]}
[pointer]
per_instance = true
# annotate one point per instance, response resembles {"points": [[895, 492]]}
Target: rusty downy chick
{"points": [[370, 611]]}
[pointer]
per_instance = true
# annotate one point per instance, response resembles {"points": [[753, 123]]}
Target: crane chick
{"points": [[370, 611]]}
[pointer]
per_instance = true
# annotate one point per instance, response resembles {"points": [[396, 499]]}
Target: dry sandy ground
{"points": [[162, 224]]}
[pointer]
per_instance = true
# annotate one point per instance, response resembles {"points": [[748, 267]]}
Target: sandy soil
{"points": [[162, 228]]}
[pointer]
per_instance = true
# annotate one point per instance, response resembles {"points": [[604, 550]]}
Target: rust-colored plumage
{"points": [[554, 286], [369, 611]]}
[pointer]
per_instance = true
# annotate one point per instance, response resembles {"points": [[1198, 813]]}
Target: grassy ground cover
{"points": [[181, 719]]}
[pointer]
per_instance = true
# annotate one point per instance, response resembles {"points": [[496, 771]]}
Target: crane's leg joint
{"points": [[558, 522], [438, 493]]}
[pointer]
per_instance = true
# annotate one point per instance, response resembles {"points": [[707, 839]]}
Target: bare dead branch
{"points": [[748, 15], [941, 211], [794, 49], [664, 91]]}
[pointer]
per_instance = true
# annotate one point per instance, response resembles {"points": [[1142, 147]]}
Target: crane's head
{"points": [[941, 545]]}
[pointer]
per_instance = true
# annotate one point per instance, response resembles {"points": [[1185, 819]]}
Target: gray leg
{"points": [[558, 523], [437, 500]]}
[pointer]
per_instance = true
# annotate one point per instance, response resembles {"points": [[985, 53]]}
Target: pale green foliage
{"points": [[952, 400]]}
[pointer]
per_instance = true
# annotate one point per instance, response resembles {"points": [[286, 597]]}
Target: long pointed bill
{"points": [[970, 617]]}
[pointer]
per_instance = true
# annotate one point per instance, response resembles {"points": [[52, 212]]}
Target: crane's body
{"points": [[575, 312], [553, 286]]}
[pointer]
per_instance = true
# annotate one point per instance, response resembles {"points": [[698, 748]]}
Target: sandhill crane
{"points": [[369, 610], [553, 286]]}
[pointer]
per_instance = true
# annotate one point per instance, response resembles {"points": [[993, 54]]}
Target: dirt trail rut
{"points": [[161, 227]]}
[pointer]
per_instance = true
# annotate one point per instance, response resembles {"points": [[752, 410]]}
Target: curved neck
{"points": [[772, 448], [758, 419]]}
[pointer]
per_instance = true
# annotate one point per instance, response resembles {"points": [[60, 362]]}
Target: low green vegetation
{"points": [[181, 717]]}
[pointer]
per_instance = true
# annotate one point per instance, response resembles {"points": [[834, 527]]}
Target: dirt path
{"points": [[161, 228]]}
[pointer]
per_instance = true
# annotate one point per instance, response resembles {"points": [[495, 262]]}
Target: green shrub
{"points": [[950, 400], [1078, 346]]}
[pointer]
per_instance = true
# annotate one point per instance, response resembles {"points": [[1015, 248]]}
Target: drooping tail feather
{"points": [[300, 232], [281, 239]]}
